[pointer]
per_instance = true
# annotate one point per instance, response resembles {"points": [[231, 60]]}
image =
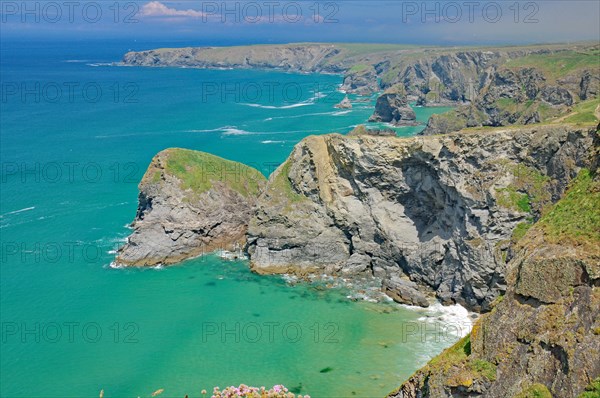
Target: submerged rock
{"points": [[190, 203]]}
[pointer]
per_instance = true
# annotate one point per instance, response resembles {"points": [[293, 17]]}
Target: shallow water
{"points": [[71, 325]]}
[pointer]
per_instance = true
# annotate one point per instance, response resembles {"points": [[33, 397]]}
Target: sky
{"points": [[280, 21]]}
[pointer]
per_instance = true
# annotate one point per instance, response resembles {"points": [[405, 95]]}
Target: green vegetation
{"points": [[560, 63], [453, 355], [592, 391], [584, 112], [368, 48], [199, 171], [535, 391], [459, 366], [520, 231], [282, 184], [528, 192], [484, 368], [449, 121], [576, 217], [509, 198], [359, 68]]}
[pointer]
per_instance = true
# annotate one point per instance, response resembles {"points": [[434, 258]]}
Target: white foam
{"points": [[235, 131], [340, 113], [18, 211], [305, 103], [272, 142], [456, 318]]}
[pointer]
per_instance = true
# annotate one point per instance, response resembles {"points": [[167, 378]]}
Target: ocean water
{"points": [[76, 135]]}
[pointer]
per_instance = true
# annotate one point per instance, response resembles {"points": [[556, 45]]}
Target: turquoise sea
{"points": [[76, 136]]}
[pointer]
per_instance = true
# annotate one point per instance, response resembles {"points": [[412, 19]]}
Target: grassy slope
{"points": [[199, 171], [559, 64], [575, 219]]}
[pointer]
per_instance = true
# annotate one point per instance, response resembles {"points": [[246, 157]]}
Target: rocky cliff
{"points": [[392, 107], [542, 338], [190, 203], [433, 211], [497, 86]]}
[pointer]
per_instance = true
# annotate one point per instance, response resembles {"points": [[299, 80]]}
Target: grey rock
{"points": [[392, 107], [432, 209], [344, 104], [404, 291], [175, 222]]}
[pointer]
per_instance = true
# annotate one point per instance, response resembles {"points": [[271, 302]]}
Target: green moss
{"points": [[535, 391], [592, 390], [199, 171], [576, 217]]}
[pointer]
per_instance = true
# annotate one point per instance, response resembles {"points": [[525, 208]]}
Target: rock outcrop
{"points": [[190, 203], [344, 104], [439, 210], [361, 79], [392, 107], [494, 86], [518, 96], [542, 338]]}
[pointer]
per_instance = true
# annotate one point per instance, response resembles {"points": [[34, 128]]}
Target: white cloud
{"points": [[158, 9]]}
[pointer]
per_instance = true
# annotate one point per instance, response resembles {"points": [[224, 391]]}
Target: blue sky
{"points": [[270, 21]]}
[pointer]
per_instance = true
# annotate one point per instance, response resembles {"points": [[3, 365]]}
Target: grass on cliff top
{"points": [[576, 217], [584, 112], [358, 68], [561, 63], [198, 171]]}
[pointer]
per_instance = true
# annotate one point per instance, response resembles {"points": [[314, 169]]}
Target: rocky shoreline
{"points": [[495, 207], [496, 86]]}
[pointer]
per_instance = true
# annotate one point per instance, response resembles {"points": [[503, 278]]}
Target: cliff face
{"points": [[542, 339], [302, 58], [190, 203], [498, 86], [439, 211], [392, 107], [520, 96]]}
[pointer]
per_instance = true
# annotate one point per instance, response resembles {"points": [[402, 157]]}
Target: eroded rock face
{"points": [[522, 96], [439, 210], [392, 107], [544, 335], [183, 217], [361, 80]]}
